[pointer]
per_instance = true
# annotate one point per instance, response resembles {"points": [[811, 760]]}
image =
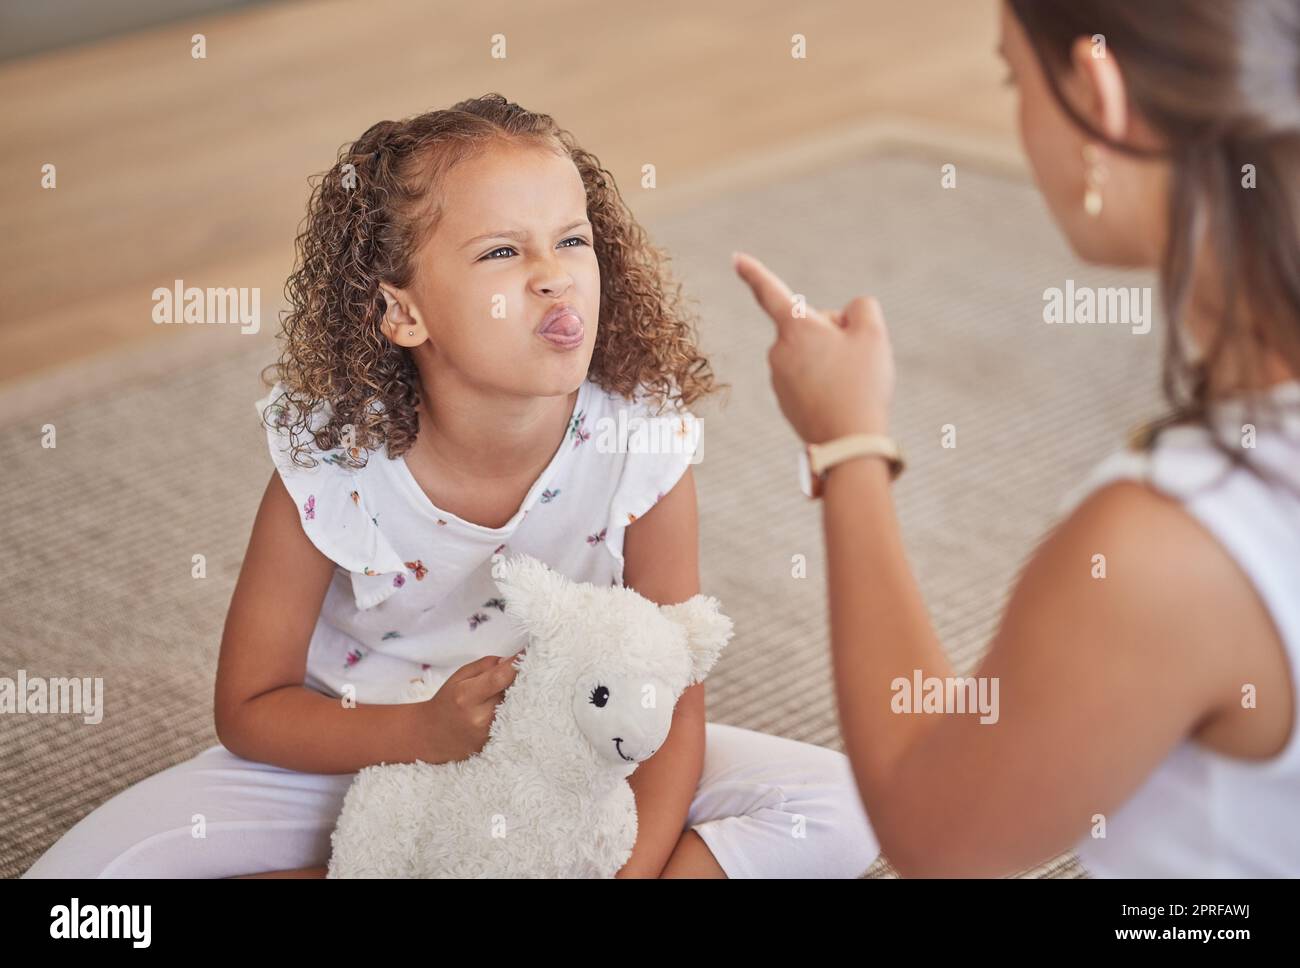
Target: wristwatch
{"points": [[816, 459]]}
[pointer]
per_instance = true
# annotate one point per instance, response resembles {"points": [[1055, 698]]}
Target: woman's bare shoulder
{"points": [[1153, 588]]}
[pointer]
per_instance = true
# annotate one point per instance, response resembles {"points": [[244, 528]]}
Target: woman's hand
{"points": [[833, 372]]}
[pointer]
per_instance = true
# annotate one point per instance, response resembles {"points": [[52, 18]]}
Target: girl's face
{"points": [[513, 244]]}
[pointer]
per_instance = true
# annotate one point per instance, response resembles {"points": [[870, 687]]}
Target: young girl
{"points": [[473, 305]]}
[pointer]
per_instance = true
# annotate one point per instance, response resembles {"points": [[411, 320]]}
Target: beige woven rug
{"points": [[150, 470]]}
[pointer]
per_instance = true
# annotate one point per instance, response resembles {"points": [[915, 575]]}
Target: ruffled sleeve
{"points": [[1183, 462], [659, 448], [332, 502]]}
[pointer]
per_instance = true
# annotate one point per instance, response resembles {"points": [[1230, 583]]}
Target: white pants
{"points": [[766, 806]]}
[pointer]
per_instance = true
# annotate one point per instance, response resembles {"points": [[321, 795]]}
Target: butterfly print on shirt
{"points": [[498, 603], [577, 430], [477, 619], [340, 459], [355, 655], [548, 495], [597, 538], [417, 566]]}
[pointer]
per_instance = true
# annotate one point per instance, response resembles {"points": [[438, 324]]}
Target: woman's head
{"points": [[1182, 117], [432, 251]]}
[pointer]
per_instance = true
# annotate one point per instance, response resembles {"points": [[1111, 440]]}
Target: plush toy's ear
{"points": [[707, 631], [534, 594]]}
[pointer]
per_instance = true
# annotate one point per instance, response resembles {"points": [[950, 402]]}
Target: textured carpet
{"points": [[95, 570]]}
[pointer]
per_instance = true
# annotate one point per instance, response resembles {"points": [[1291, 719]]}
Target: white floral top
{"points": [[412, 599]]}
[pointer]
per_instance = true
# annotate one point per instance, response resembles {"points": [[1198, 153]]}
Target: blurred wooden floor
{"points": [[174, 168]]}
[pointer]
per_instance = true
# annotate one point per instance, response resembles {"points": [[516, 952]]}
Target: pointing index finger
{"points": [[769, 290]]}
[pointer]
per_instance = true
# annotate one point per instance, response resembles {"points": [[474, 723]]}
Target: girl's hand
{"points": [[457, 719], [833, 372]]}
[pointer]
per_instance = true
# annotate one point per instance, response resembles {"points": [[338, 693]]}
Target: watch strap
{"points": [[822, 457]]}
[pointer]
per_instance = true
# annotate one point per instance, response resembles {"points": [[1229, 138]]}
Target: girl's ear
{"points": [[401, 324]]}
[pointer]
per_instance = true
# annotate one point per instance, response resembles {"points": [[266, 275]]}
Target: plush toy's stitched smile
{"points": [[617, 740]]}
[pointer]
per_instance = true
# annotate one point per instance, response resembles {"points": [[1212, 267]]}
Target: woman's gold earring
{"points": [[410, 332], [1094, 174]]}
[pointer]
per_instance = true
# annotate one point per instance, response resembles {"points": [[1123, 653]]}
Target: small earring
{"points": [[1095, 176], [410, 332]]}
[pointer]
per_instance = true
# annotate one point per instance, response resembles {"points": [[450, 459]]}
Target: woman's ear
{"points": [[1102, 98], [401, 322]]}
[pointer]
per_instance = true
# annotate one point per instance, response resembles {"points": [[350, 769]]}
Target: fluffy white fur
{"points": [[547, 796]]}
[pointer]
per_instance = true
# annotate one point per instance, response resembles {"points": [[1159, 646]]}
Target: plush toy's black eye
{"points": [[599, 696]]}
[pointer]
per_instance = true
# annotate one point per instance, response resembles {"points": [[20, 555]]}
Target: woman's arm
{"points": [[262, 709], [661, 562], [1097, 677]]}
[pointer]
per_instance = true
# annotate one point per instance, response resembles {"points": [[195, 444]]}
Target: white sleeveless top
{"points": [[1201, 813], [412, 599]]}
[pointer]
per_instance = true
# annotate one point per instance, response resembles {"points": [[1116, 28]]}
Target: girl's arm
{"points": [[263, 711], [661, 563]]}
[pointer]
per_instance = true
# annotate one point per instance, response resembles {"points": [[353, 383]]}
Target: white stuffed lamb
{"points": [[547, 796]]}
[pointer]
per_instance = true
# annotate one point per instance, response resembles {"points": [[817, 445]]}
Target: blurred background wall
{"points": [[33, 27]]}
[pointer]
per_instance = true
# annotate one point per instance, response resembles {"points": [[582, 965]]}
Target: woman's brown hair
{"points": [[367, 217], [1217, 80]]}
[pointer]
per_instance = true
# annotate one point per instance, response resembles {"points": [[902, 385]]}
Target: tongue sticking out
{"points": [[566, 326]]}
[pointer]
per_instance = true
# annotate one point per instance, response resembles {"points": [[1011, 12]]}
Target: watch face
{"points": [[805, 474]]}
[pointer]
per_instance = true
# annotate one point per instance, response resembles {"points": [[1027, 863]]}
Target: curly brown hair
{"points": [[346, 384]]}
